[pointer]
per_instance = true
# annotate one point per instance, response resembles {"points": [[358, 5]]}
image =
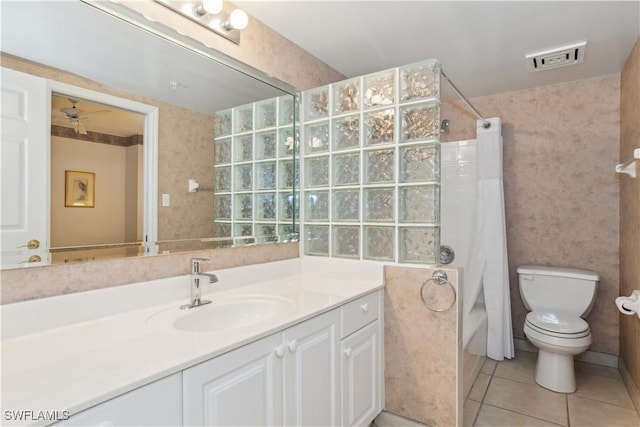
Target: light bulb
{"points": [[238, 19], [209, 6]]}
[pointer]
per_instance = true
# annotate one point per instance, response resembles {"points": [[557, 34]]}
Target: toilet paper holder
{"points": [[629, 305]]}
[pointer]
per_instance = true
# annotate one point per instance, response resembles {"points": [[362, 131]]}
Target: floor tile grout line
{"points": [[520, 413], [603, 401]]}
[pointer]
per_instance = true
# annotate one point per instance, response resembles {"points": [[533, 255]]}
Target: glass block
{"points": [[346, 205], [243, 178], [288, 206], [378, 205], [421, 121], [287, 110], [222, 207], [222, 229], [266, 145], [222, 150], [222, 123], [243, 206], [379, 243], [243, 118], [317, 240], [266, 206], [379, 166], [317, 206], [316, 103], [242, 230], [316, 172], [346, 241], [420, 204], [288, 232], [222, 179], [289, 175], [317, 137], [420, 163], [379, 127], [266, 114], [419, 81], [287, 142], [266, 174], [346, 132], [419, 245], [379, 89], [346, 96], [243, 148], [267, 230], [346, 169]]}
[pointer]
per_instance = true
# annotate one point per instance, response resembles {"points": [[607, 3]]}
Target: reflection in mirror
{"points": [[187, 86], [107, 142]]}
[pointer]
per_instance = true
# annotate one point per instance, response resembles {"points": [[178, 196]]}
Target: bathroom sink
{"points": [[224, 314]]}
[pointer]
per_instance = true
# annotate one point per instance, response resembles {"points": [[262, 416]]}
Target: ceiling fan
{"points": [[77, 117]]}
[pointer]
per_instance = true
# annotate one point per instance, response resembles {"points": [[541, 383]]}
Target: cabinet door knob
{"points": [[280, 350], [364, 307], [32, 258], [293, 345], [347, 352]]}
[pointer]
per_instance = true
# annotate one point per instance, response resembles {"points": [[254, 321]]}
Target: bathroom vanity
{"points": [[295, 349]]}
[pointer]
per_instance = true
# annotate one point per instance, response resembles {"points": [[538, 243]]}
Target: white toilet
{"points": [[558, 298]]}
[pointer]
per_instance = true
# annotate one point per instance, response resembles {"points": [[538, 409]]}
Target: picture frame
{"points": [[79, 189]]}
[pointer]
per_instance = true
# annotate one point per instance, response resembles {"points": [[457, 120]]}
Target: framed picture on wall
{"points": [[79, 189]]}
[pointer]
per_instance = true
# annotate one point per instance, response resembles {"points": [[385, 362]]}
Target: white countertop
{"points": [[78, 364]]}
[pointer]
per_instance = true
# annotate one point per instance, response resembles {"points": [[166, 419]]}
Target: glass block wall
{"points": [[256, 171], [371, 166]]}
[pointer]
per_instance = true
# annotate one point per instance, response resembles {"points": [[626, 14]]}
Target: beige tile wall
{"points": [[561, 193], [630, 216], [422, 348]]}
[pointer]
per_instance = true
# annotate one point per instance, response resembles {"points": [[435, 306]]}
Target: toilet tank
{"points": [[564, 289]]}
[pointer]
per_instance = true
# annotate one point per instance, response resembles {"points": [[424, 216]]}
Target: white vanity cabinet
{"points": [[155, 404], [239, 388], [361, 360], [288, 378]]}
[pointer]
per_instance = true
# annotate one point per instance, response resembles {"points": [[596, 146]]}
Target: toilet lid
{"points": [[558, 322]]}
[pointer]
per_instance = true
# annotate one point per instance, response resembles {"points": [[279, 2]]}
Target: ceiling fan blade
{"points": [[81, 129]]}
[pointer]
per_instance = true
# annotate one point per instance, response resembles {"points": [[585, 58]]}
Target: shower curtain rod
{"points": [[485, 123]]}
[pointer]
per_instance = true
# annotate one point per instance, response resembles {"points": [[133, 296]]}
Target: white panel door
{"points": [[361, 376], [312, 372], [239, 388], [25, 168]]}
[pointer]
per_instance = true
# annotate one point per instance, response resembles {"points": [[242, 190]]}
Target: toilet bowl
{"points": [[557, 298], [556, 348]]}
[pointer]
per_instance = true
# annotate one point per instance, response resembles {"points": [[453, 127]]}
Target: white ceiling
{"points": [[481, 45]]}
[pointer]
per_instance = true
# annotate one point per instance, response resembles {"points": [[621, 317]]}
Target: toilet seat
{"points": [[557, 324]]}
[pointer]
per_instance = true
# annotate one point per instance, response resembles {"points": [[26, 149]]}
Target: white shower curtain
{"points": [[493, 241]]}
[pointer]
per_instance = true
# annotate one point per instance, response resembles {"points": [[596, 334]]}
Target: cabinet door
{"points": [[361, 376], [312, 372], [239, 388], [155, 404]]}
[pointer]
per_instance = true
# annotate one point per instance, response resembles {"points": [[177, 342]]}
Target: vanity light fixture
{"points": [[210, 15]]}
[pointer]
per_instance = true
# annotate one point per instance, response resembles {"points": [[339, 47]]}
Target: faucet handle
{"points": [[195, 264]]}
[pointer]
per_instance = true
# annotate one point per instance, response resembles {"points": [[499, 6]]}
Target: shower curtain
{"points": [[492, 239]]}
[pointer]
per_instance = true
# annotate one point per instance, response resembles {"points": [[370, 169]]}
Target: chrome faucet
{"points": [[196, 291]]}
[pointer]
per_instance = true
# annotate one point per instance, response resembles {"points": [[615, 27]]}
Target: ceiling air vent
{"points": [[556, 57]]}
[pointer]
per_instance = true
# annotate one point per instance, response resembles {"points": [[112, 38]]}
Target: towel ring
{"points": [[438, 277]]}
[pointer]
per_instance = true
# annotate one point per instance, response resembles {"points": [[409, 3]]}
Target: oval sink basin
{"points": [[225, 314]]}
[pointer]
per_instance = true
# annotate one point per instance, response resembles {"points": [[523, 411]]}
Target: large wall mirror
{"points": [[153, 143]]}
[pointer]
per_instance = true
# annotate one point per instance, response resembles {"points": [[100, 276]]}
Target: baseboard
{"points": [[631, 387], [595, 357]]}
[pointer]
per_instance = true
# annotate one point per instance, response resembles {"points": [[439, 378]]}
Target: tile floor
{"points": [[506, 394]]}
